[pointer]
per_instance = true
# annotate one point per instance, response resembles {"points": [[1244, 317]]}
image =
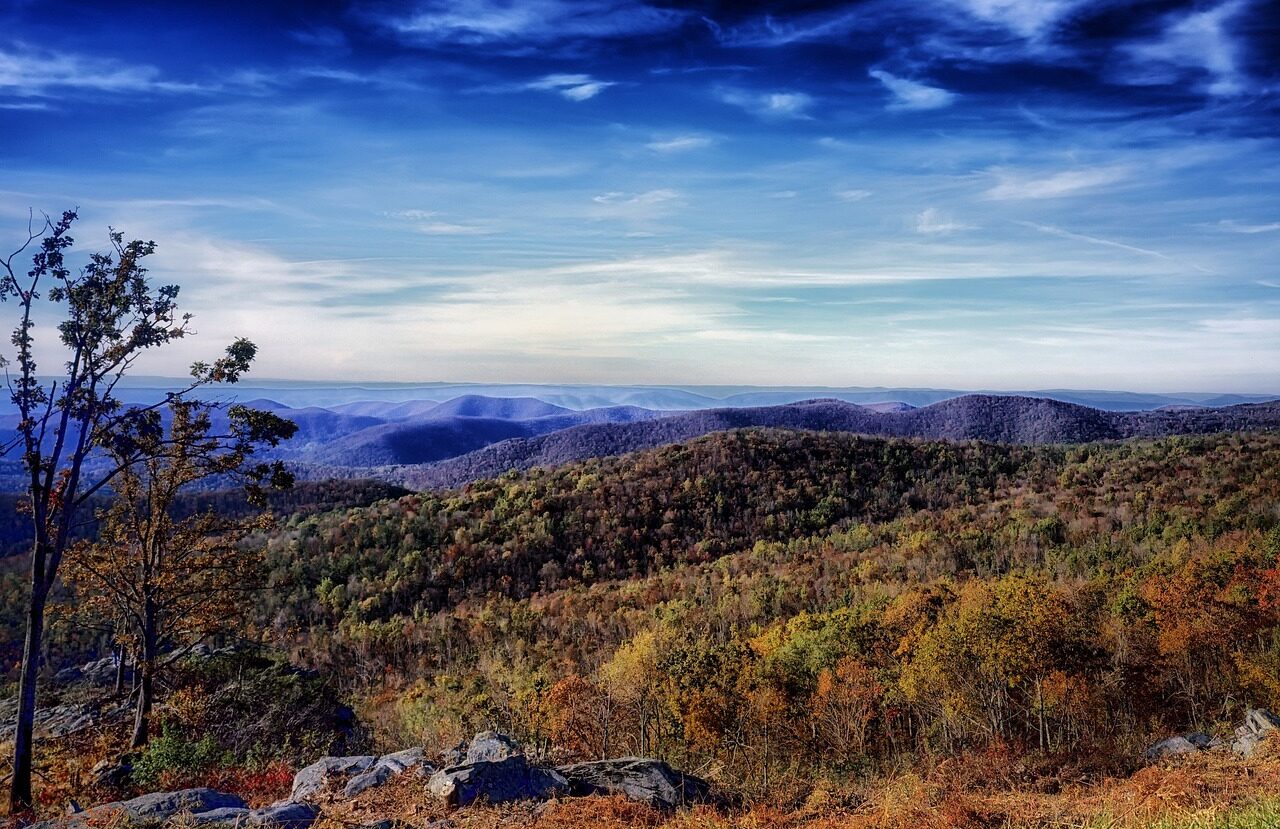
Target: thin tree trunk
{"points": [[146, 668], [121, 659], [20, 799]]}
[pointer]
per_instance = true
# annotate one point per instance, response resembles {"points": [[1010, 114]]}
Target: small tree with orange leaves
{"points": [[177, 579]]}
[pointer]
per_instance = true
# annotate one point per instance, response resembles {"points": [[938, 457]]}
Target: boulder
{"points": [[491, 746], [648, 781], [311, 781], [387, 767], [150, 809], [286, 815], [283, 815], [111, 774], [1259, 724], [1172, 747], [495, 782]]}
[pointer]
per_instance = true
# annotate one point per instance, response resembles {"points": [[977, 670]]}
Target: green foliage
{"points": [[174, 754]]}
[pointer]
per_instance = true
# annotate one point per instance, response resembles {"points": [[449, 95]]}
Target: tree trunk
{"points": [[121, 657], [20, 799], [145, 669]]}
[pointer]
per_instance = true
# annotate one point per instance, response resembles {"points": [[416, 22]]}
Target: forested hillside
{"points": [[775, 605]]}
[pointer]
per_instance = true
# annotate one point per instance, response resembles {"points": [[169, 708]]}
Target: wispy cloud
{"points": [[771, 31], [770, 105], [1110, 243], [912, 95], [573, 87], [933, 222], [429, 222], [639, 208], [1238, 227], [1013, 185], [477, 22], [680, 143], [1199, 42], [852, 194], [450, 229], [33, 72], [1031, 19]]}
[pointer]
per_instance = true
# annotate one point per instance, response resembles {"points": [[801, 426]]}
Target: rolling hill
{"points": [[999, 419]]}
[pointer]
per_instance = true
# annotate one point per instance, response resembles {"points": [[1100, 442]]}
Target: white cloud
{"points": [[853, 195], [769, 31], [474, 22], [680, 143], [933, 222], [573, 87], [770, 105], [647, 198], [413, 214], [450, 229], [643, 207], [1011, 185], [1029, 19], [912, 95], [31, 72], [1196, 42], [1237, 227]]}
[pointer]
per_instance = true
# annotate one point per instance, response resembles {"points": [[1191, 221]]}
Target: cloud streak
{"points": [[33, 72], [912, 95]]}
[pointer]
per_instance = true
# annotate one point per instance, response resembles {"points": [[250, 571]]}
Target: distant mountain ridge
{"points": [[1000, 419]]}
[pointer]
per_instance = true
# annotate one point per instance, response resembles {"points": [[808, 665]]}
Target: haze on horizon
{"points": [[999, 194]]}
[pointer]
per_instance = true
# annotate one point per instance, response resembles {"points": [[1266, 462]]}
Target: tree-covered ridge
{"points": [[623, 517], [626, 516], [810, 603]]}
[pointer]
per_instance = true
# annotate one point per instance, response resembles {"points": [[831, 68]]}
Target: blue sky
{"points": [[963, 193]]}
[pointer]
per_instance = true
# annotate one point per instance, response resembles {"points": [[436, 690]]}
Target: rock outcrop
{"points": [[362, 772], [387, 767], [150, 809], [648, 781], [1259, 724], [490, 746], [283, 815], [312, 780], [496, 781]]}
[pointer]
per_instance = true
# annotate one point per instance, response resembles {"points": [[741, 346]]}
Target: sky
{"points": [[995, 194]]}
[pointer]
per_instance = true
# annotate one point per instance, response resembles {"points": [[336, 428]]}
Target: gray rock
{"points": [[311, 781], [1171, 747], [162, 805], [68, 675], [226, 816], [495, 782], [387, 767], [111, 774], [491, 746], [648, 781], [283, 815], [286, 815], [1259, 724], [150, 809]]}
